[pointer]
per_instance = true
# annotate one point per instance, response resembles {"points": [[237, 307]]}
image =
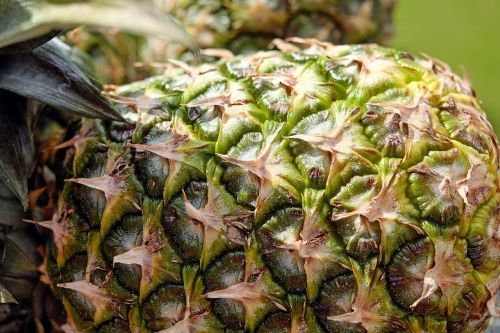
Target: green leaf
{"points": [[28, 45], [5, 295], [21, 257], [17, 149], [23, 20], [12, 210], [46, 75], [81, 59]]}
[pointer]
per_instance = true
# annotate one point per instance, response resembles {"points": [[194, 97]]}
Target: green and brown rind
{"points": [[325, 189]]}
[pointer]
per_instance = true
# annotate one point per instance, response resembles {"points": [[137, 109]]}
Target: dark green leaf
{"points": [[22, 20], [81, 59], [46, 75], [28, 45], [5, 295], [21, 255], [17, 149], [20, 289], [12, 210]]}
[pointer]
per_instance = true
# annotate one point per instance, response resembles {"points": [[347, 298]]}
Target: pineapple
{"points": [[250, 25], [239, 26], [315, 188]]}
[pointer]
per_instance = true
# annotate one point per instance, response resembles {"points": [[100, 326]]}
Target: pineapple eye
{"points": [[433, 186], [185, 233], [123, 237], [152, 169], [228, 270], [285, 262], [276, 323], [91, 201], [74, 270], [336, 296], [164, 307], [405, 276]]}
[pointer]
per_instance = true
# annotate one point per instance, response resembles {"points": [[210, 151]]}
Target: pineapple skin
{"points": [[246, 26], [238, 26], [316, 188]]}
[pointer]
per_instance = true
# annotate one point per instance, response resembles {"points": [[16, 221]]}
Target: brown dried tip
{"points": [[109, 185], [103, 303], [251, 295], [446, 273], [59, 225]]}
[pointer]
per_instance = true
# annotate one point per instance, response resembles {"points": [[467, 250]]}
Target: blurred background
{"points": [[463, 33]]}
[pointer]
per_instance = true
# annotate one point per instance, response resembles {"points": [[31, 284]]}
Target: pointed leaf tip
{"points": [[47, 76], [6, 296]]}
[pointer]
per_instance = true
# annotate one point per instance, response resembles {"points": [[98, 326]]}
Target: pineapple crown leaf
{"points": [[46, 75], [6, 296], [24, 25], [17, 149], [11, 207]]}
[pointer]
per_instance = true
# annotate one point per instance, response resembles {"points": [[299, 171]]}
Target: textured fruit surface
{"points": [[241, 26], [316, 189], [250, 25]]}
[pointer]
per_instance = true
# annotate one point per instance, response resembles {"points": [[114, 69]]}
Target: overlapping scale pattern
{"points": [[253, 24], [238, 26], [326, 189]]}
